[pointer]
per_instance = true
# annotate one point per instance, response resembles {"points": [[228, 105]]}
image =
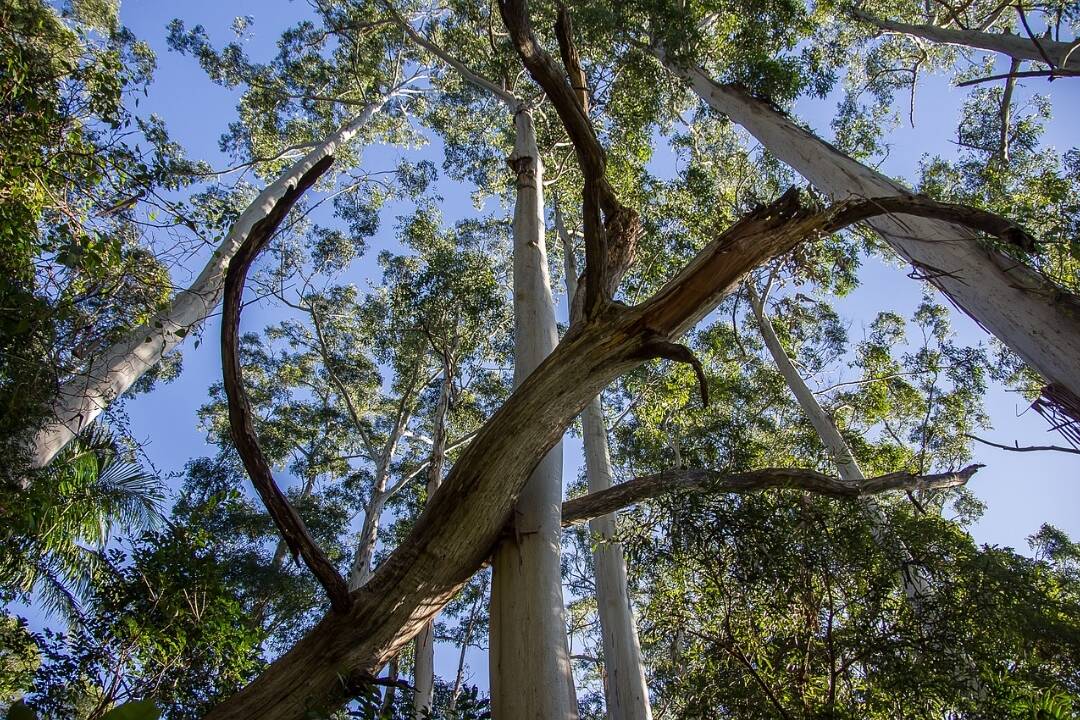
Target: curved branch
{"points": [[634, 491], [241, 427]]}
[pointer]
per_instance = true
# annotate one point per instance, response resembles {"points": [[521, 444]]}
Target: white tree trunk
{"points": [[626, 693], [530, 672], [916, 586], [424, 665], [80, 400], [1014, 302]]}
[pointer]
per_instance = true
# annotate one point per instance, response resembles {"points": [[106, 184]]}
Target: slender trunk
{"points": [[1025, 310], [360, 572], [626, 694], [80, 400], [459, 677], [530, 670], [1006, 111], [917, 587], [424, 668], [386, 711], [1017, 47]]}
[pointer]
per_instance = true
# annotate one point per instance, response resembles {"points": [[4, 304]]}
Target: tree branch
{"points": [[469, 76], [639, 489], [609, 244], [241, 426], [1025, 448], [1014, 46]]}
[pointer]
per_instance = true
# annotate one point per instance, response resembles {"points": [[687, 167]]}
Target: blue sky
{"points": [[1021, 490]]}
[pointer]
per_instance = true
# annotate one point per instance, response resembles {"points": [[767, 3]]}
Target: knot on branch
{"points": [[657, 348]]}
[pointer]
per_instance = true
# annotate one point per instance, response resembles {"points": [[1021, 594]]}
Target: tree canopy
{"points": [[445, 254]]}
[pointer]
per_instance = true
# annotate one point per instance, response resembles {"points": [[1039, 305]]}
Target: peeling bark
{"points": [[530, 662]]}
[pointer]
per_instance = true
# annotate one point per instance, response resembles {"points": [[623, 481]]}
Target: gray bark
{"points": [[1016, 303], [530, 669], [80, 400]]}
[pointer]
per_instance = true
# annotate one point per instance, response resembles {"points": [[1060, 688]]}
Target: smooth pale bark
{"points": [[80, 400], [459, 677], [530, 673], [1016, 303], [424, 664], [1017, 47], [916, 586], [626, 694]]}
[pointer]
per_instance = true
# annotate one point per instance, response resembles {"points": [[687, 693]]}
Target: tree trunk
{"points": [[80, 400], [626, 693], [1025, 310], [459, 677], [530, 672], [473, 508], [1017, 47], [916, 586], [424, 667]]}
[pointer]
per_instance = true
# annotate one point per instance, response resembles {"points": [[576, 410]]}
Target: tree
{"points": [[760, 588]]}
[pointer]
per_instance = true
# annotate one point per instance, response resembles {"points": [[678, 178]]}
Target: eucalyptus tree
{"points": [[527, 634], [696, 44], [466, 516], [280, 390], [289, 136], [79, 168], [625, 692]]}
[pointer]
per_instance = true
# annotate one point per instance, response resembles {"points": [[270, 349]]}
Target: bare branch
{"points": [[634, 491], [1026, 448]]}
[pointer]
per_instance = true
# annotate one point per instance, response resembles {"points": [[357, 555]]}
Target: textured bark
{"points": [[1017, 47], [79, 401], [694, 480], [626, 694], [530, 670], [1025, 310]]}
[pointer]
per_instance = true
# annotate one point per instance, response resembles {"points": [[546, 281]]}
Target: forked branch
{"points": [[610, 240]]}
